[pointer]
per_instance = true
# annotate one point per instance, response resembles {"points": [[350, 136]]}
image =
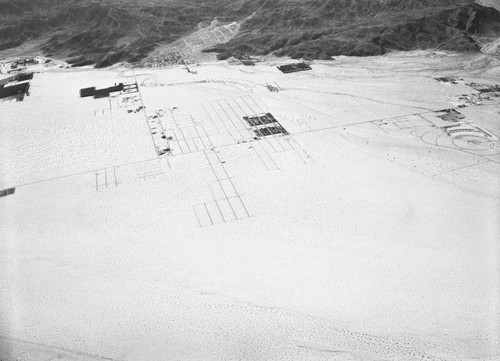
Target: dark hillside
{"points": [[318, 29], [110, 31]]}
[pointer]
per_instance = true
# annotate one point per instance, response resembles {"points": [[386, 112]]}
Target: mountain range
{"points": [[109, 31]]}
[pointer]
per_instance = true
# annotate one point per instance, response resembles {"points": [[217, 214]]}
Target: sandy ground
{"points": [[367, 233]]}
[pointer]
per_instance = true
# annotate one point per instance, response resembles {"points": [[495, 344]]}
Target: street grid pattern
{"points": [[226, 124]]}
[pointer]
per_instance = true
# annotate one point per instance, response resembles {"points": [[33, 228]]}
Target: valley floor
{"points": [[368, 232]]}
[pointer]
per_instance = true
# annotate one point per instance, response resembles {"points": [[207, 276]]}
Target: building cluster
{"points": [[106, 92], [264, 125], [18, 65], [15, 87]]}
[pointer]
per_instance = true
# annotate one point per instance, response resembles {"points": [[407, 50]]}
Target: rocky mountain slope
{"points": [[363, 27], [109, 31]]}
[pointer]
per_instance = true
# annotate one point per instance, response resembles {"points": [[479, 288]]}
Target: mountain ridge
{"points": [[110, 31]]}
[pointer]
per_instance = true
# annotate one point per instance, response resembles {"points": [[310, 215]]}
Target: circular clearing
{"points": [[473, 142]]}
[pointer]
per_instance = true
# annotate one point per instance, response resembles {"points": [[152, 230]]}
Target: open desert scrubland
{"points": [[163, 224]]}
